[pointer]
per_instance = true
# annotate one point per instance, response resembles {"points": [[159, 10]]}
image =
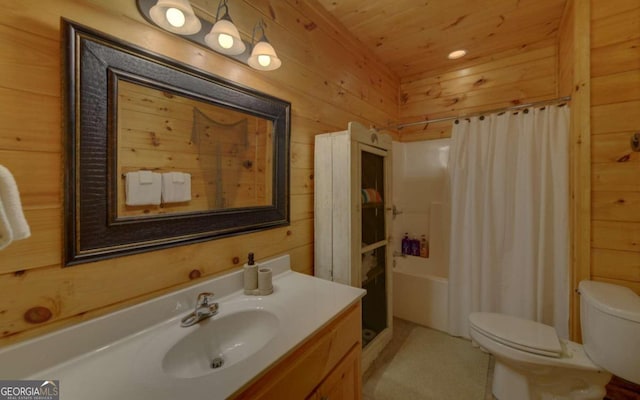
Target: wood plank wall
{"points": [[575, 81], [566, 44], [224, 151], [326, 75], [615, 115], [517, 76]]}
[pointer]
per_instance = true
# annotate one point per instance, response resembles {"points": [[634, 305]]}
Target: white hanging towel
{"points": [[176, 187], [13, 224], [6, 235], [143, 188]]}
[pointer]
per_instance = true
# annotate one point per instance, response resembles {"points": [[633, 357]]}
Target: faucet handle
{"points": [[204, 298], [205, 308]]}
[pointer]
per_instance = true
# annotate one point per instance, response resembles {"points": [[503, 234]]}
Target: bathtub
{"points": [[420, 291]]}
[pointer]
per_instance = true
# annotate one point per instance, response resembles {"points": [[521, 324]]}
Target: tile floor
{"points": [[379, 370]]}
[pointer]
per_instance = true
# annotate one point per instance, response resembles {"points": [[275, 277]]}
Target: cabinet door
{"points": [[344, 382], [374, 240]]}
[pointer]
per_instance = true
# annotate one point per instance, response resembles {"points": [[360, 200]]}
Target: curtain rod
{"points": [[499, 110]]}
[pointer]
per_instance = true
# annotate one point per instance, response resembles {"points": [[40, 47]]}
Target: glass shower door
{"points": [[374, 243]]}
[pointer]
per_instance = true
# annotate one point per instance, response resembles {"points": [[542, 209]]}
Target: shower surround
{"points": [[421, 198]]}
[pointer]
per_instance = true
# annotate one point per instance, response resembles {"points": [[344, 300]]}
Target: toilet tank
{"points": [[610, 319]]}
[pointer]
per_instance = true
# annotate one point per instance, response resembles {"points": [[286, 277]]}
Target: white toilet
{"points": [[533, 363]]}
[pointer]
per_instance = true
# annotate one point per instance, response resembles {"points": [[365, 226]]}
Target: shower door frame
{"points": [[366, 141]]}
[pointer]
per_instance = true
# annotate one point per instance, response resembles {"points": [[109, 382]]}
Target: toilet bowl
{"points": [[533, 363]]}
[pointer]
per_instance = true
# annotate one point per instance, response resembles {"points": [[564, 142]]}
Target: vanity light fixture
{"points": [[224, 36], [175, 16], [454, 55], [263, 56]]}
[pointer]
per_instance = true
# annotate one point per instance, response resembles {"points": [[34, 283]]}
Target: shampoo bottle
{"points": [[406, 244], [415, 247], [424, 247]]}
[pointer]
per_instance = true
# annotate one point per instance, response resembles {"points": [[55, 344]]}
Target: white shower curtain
{"points": [[509, 217]]}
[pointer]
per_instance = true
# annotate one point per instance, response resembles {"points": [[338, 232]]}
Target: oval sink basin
{"points": [[220, 342]]}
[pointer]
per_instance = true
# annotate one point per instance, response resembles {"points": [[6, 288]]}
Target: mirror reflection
{"points": [[161, 154], [203, 156]]}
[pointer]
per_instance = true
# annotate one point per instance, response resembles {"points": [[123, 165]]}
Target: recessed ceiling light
{"points": [[454, 55]]}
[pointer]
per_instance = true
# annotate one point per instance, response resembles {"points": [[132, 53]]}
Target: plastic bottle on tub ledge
{"points": [[406, 244], [415, 247], [424, 247]]}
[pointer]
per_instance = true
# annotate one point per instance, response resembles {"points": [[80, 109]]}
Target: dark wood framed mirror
{"points": [[162, 154]]}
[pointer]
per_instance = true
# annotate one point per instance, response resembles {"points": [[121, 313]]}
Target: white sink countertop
{"points": [[120, 355]]}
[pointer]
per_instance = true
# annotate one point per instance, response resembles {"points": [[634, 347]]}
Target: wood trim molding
{"points": [[620, 389], [580, 154]]}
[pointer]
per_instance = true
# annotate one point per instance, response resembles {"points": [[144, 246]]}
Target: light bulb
{"points": [[264, 60], [454, 55], [175, 17], [225, 41]]}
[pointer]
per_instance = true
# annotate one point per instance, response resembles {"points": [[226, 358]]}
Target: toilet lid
{"points": [[530, 336]]}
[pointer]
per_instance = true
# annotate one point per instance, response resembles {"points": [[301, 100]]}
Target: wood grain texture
{"points": [[620, 389], [28, 60], [617, 25], [517, 78], [224, 151], [39, 186], [45, 236], [415, 36], [566, 53], [621, 176], [615, 62], [617, 57], [616, 206], [616, 235], [24, 130], [344, 382], [616, 264], [340, 81], [615, 117], [572, 23], [616, 88], [613, 147]]}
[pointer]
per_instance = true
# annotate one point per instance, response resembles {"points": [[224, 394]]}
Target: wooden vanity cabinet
{"points": [[344, 382], [325, 366]]}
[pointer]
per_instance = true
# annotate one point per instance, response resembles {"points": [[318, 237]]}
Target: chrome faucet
{"points": [[205, 308]]}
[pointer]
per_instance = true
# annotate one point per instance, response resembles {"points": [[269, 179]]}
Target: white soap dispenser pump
{"points": [[250, 275]]}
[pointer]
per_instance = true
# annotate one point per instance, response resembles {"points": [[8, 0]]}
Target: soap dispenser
{"points": [[257, 280], [250, 275]]}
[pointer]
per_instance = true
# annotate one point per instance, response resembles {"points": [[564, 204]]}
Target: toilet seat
{"points": [[525, 335]]}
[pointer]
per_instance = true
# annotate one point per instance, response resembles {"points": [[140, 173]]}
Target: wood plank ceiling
{"points": [[415, 36]]}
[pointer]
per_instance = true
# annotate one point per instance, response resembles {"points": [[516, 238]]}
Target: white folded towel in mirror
{"points": [[177, 177], [176, 187], [143, 188], [145, 177], [13, 224]]}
